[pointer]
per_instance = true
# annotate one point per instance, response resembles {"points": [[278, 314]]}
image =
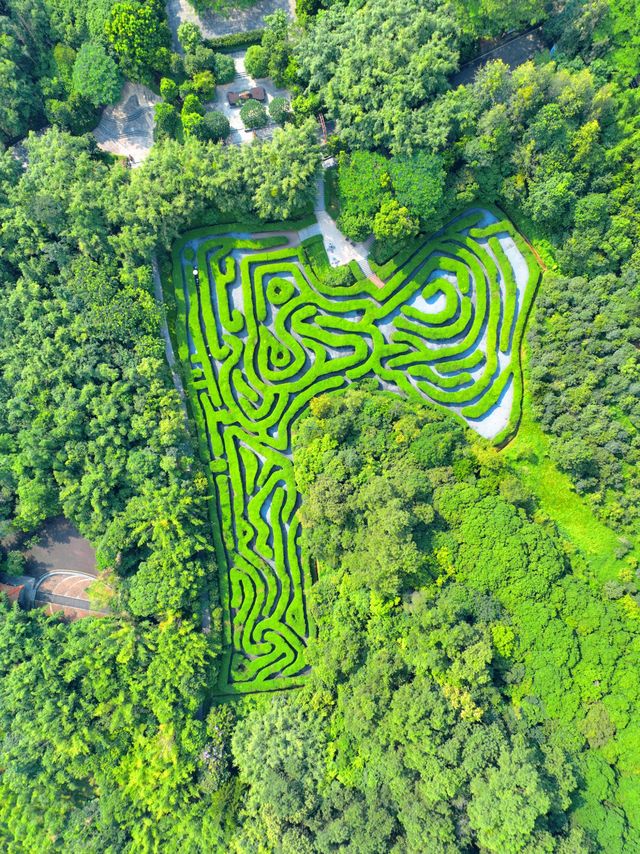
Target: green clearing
{"points": [[528, 452], [260, 334]]}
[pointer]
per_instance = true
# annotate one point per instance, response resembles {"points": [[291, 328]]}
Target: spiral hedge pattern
{"points": [[260, 334]]}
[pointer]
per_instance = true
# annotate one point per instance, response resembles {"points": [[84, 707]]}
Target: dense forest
{"points": [[473, 686]]}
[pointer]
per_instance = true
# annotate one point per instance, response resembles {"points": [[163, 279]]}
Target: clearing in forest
{"points": [[261, 332]]}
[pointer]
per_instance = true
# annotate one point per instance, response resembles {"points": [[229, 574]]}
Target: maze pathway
{"points": [[261, 335]]}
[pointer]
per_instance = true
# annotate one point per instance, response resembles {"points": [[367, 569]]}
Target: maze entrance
{"points": [[261, 334]]}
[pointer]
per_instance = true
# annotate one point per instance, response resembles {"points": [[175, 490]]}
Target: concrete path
{"points": [[177, 382], [513, 52], [340, 249], [240, 83], [214, 24], [164, 331]]}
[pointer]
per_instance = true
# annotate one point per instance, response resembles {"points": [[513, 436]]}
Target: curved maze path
{"points": [[262, 335]]}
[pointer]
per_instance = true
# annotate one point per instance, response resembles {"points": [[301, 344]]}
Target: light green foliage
{"points": [[472, 687], [583, 350], [287, 168], [140, 689], [189, 36], [96, 75], [192, 104], [202, 84], [373, 189], [376, 65], [256, 360], [360, 183], [192, 123], [394, 222], [64, 58], [495, 17], [169, 90], [418, 184], [279, 110], [253, 115], [538, 629], [139, 37], [256, 61]]}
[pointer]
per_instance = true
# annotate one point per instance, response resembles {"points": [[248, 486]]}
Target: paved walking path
{"points": [[164, 331], [513, 52], [339, 249], [177, 382], [241, 83]]}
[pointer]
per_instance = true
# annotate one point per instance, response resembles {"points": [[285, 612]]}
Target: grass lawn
{"points": [[529, 454]]}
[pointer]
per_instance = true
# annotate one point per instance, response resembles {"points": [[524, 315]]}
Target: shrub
{"points": [[355, 226], [176, 66], [167, 121], [192, 115], [64, 58], [279, 110], [214, 127], [169, 90], [189, 36], [15, 563], [202, 59], [77, 114], [225, 68], [233, 41], [256, 62], [394, 222], [96, 75], [306, 105], [192, 123], [338, 277], [192, 104], [203, 84], [253, 115]]}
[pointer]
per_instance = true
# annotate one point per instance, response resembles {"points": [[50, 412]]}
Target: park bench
{"points": [[257, 93]]}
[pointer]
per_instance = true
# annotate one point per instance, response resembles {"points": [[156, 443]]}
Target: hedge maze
{"points": [[261, 331]]}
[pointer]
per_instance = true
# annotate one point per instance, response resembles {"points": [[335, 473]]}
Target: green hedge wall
{"points": [[262, 330]]}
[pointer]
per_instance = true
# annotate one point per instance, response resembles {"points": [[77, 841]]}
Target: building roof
{"points": [[12, 591]]}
